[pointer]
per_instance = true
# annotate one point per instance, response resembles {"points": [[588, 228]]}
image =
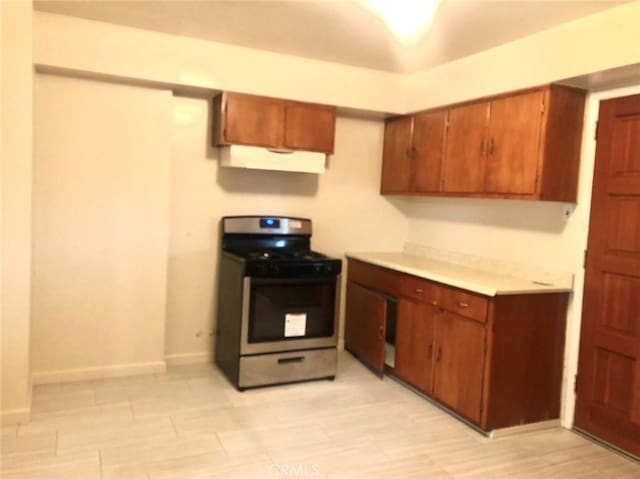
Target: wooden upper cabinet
{"points": [[309, 127], [428, 150], [251, 120], [272, 123], [513, 146], [464, 160], [396, 155], [522, 145]]}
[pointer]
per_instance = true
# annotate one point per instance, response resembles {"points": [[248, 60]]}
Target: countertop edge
{"points": [[469, 286]]}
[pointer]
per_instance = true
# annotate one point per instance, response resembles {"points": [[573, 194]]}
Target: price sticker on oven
{"points": [[295, 324]]}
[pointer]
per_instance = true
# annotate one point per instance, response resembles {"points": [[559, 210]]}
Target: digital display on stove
{"points": [[269, 223]]}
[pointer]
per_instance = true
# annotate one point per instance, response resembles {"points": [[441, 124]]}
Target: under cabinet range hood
{"points": [[252, 157]]}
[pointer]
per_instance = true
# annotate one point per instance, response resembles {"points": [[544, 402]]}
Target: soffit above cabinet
{"points": [[340, 32]]}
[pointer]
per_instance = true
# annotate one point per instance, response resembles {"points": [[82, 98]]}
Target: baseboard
{"points": [[188, 358], [15, 416], [70, 375], [525, 428]]}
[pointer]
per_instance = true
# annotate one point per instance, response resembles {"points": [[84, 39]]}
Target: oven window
{"points": [[289, 310]]}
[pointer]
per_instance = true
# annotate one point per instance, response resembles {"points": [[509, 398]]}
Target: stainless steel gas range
{"points": [[278, 303]]}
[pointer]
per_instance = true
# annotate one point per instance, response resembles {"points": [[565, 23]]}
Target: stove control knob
{"points": [[317, 268]]}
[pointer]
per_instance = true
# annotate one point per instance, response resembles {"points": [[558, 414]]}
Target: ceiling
{"points": [[337, 31]]}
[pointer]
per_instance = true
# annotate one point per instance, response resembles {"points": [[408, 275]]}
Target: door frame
{"points": [[581, 217]]}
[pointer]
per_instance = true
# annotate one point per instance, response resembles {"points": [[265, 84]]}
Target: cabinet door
{"points": [[365, 322], [465, 150], [460, 349], [309, 127], [253, 120], [514, 144], [428, 150], [414, 344], [396, 155]]}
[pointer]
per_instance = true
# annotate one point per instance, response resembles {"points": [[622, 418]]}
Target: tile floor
{"points": [[189, 423]]}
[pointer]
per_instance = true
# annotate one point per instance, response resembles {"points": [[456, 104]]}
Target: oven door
{"points": [[285, 314]]}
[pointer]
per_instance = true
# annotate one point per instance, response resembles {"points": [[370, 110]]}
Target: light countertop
{"points": [[478, 281]]}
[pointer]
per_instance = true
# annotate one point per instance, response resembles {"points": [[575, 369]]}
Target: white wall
{"points": [[108, 49], [16, 91], [100, 228], [344, 204], [599, 42]]}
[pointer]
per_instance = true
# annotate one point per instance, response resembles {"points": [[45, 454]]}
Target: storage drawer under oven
{"points": [[278, 368]]}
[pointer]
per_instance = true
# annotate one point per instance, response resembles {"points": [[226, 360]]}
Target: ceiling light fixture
{"points": [[407, 19]]}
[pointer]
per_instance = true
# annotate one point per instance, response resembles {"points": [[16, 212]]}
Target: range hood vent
{"points": [[238, 156]]}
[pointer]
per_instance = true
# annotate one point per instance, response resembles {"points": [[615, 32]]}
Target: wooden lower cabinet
{"points": [[460, 346], [364, 333], [496, 361], [415, 328]]}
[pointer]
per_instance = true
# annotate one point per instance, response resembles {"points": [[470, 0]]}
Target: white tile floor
{"points": [[189, 423]]}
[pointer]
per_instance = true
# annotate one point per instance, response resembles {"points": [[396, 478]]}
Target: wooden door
{"points": [[514, 144], [460, 349], [414, 344], [396, 155], [466, 147], [428, 151], [253, 120], [309, 127], [608, 394], [365, 322]]}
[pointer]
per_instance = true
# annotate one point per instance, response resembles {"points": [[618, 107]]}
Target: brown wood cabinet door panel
{"points": [[526, 351], [514, 144], [464, 303], [428, 150], [465, 149], [608, 402], [365, 322], [251, 120], [396, 155], [415, 328], [460, 350], [420, 289], [309, 127], [564, 111], [375, 277]]}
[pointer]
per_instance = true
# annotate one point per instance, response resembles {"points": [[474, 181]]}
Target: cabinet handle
{"points": [[482, 147], [430, 351], [491, 146], [410, 152], [381, 332], [439, 354], [419, 290], [462, 304]]}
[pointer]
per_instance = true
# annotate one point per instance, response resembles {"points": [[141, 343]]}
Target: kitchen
{"points": [[163, 84]]}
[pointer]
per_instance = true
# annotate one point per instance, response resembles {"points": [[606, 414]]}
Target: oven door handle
{"points": [[294, 359], [293, 281]]}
